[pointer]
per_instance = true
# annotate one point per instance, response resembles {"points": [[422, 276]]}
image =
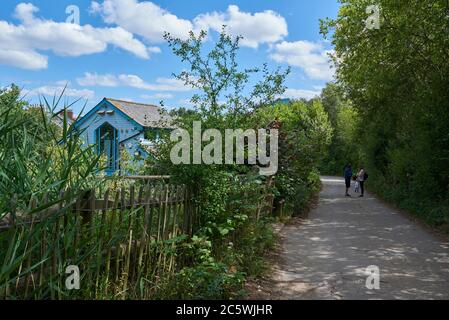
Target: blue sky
{"points": [[117, 50]]}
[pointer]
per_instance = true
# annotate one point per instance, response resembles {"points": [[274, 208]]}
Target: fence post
{"points": [[185, 222], [87, 206]]}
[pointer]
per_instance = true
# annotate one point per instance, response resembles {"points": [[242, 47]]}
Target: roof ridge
{"points": [[132, 102]]}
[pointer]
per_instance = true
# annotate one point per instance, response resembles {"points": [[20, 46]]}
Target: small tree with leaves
{"points": [[226, 96], [225, 89]]}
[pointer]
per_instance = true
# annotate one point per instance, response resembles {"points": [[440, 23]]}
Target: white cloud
{"points": [[94, 79], [57, 89], [300, 94], [143, 18], [22, 45], [258, 28], [157, 96], [133, 81], [151, 21], [309, 56], [169, 84], [22, 59], [162, 84]]}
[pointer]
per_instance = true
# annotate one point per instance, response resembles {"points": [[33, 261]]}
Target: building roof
{"points": [[146, 115]]}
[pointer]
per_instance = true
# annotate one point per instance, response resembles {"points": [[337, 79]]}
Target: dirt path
{"points": [[325, 256]]}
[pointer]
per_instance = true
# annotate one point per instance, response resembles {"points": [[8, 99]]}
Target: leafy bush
{"points": [[208, 280], [305, 133], [397, 79]]}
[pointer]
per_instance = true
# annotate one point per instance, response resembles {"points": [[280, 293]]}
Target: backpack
{"points": [[365, 176]]}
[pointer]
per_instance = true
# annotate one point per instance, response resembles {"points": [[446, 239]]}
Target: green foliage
{"points": [[205, 281], [254, 240], [36, 156], [38, 160], [345, 143], [233, 98], [204, 277], [305, 133], [223, 86], [154, 134], [397, 79], [227, 95]]}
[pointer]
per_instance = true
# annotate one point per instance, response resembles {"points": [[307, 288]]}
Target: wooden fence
{"points": [[124, 242]]}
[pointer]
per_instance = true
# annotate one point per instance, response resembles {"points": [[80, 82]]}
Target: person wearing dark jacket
{"points": [[348, 176]]}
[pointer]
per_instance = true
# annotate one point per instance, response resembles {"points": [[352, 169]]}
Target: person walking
{"points": [[361, 177], [348, 177]]}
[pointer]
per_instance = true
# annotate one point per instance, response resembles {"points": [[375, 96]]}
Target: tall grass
{"points": [[38, 159]]}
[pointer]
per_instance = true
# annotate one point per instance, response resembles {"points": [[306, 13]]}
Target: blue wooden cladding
{"points": [[115, 125]]}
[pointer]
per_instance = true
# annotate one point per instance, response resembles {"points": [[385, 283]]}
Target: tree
{"points": [[397, 79], [304, 135], [224, 88], [226, 96], [345, 145]]}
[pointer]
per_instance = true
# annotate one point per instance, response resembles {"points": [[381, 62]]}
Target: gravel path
{"points": [[326, 255]]}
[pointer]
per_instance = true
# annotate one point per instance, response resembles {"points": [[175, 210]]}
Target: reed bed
{"points": [[124, 244]]}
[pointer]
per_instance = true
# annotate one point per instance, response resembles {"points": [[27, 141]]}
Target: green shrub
{"points": [[208, 280], [397, 80]]}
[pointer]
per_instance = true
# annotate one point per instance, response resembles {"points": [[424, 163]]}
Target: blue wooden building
{"points": [[113, 125]]}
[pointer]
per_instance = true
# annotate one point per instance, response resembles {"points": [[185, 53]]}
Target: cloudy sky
{"points": [[117, 50]]}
